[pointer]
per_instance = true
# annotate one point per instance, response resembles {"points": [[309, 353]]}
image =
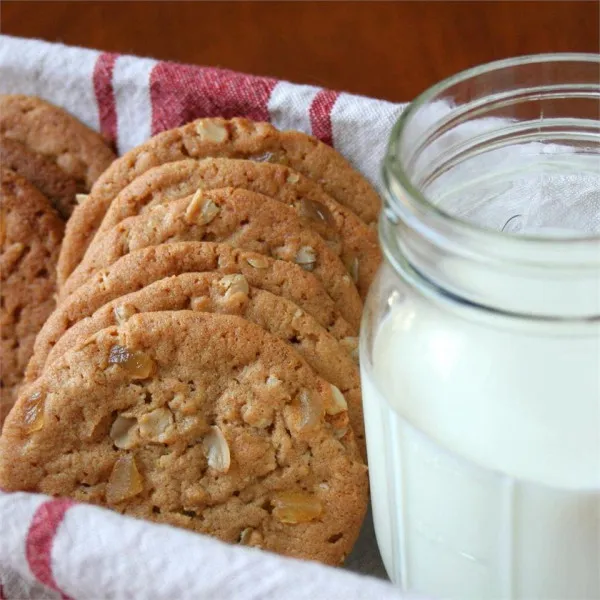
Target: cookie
{"points": [[235, 138], [45, 175], [231, 294], [199, 421], [142, 267], [356, 243], [30, 234], [51, 131], [236, 217], [78, 235]]}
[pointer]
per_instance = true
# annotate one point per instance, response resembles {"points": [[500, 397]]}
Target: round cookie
{"points": [[231, 294], [140, 268], [235, 138], [44, 174], [232, 216], [356, 243], [79, 232], [195, 420], [30, 234], [51, 131]]}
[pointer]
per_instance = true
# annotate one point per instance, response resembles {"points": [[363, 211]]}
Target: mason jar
{"points": [[480, 344]]}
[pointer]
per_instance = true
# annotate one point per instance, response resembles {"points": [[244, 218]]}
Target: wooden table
{"points": [[390, 50]]}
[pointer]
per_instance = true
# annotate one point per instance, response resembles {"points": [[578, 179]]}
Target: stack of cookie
{"points": [[46, 158], [200, 368]]}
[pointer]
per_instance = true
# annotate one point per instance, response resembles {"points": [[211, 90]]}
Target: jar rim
{"points": [[392, 167]]}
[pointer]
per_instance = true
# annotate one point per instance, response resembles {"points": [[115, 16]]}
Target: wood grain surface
{"points": [[390, 50]]}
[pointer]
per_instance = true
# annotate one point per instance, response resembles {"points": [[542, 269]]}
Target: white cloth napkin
{"points": [[52, 549], [57, 549]]}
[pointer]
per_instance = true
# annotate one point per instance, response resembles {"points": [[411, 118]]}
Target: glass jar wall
{"points": [[480, 345]]}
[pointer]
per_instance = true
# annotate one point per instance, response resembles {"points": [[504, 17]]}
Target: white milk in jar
{"points": [[494, 472], [480, 346]]}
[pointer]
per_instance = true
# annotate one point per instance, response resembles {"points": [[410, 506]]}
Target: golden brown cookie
{"points": [[231, 294], [51, 131], [235, 138], [30, 234], [45, 175], [200, 421], [142, 267], [348, 236], [236, 217]]}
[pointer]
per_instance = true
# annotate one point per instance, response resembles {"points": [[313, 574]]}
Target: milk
{"points": [[483, 437]]}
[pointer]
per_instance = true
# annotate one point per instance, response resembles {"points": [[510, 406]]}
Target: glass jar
{"points": [[480, 344]]}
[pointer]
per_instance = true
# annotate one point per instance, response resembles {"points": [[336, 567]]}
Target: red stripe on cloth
{"points": [[105, 95], [40, 539], [320, 115], [182, 93], [2, 596]]}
